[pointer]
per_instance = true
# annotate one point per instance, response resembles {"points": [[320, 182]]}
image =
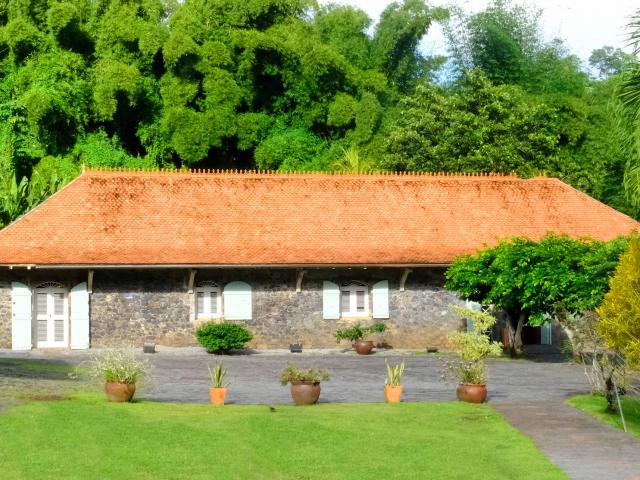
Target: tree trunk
{"points": [[515, 333]]}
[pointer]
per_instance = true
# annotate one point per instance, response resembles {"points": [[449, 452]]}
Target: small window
{"points": [[354, 300], [208, 301]]}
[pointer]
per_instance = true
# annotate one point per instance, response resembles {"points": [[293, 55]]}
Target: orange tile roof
{"points": [[225, 218]]}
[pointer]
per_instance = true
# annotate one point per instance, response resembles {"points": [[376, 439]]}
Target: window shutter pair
{"points": [[331, 300], [237, 301]]}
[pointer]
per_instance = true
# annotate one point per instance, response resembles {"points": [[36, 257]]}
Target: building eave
{"points": [[218, 266]]}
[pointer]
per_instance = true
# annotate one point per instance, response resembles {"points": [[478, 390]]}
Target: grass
{"points": [[89, 438], [596, 405]]}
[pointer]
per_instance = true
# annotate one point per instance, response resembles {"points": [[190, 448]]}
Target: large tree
{"points": [[629, 114], [620, 310], [272, 84], [528, 280]]}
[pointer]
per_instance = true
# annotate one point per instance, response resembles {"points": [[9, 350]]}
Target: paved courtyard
{"points": [[529, 393], [180, 375]]}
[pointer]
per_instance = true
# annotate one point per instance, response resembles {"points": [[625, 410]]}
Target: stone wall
{"points": [[418, 317], [5, 312], [129, 306]]}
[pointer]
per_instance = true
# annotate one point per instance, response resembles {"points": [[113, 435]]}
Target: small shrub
{"points": [[294, 374], [222, 337], [116, 365], [358, 332], [475, 347], [394, 374]]}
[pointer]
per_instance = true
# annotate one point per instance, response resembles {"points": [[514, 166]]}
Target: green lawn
{"points": [[596, 405], [89, 438]]}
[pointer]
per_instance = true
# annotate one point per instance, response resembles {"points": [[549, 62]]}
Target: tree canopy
{"points": [[620, 310], [529, 279], [288, 85]]}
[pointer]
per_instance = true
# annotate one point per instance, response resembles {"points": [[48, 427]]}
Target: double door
{"points": [[52, 319]]}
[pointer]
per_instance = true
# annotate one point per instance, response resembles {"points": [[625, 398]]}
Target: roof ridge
{"points": [[86, 170]]}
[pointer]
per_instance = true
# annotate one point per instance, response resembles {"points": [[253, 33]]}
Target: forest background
{"points": [[289, 85]]}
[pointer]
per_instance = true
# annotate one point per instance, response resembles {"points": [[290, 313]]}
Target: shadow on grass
{"points": [[36, 369]]}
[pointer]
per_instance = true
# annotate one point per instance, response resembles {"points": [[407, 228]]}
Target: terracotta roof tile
{"points": [[160, 218]]}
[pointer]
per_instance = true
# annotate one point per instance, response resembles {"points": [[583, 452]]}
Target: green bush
{"points": [[294, 374], [358, 332], [222, 337]]}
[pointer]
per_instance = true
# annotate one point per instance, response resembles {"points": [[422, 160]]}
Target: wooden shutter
{"points": [[380, 294], [79, 316], [237, 301], [330, 301], [20, 316], [545, 333]]}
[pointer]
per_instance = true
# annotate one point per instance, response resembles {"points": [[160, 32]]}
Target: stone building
{"points": [[116, 257]]}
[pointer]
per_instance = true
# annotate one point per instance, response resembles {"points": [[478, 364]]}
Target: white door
{"points": [[52, 321]]}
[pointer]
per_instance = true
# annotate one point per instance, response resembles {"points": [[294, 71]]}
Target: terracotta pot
{"points": [[305, 393], [471, 393], [392, 393], [364, 347], [217, 395], [119, 392]]}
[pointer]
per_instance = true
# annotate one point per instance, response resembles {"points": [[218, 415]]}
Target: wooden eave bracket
{"points": [[192, 279], [403, 278], [299, 276], [90, 282]]}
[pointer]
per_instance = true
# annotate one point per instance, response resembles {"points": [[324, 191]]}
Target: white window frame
{"points": [[207, 288], [352, 288]]}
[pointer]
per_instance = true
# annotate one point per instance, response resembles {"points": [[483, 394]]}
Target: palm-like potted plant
{"points": [[357, 333], [305, 384], [218, 388], [393, 385], [120, 370], [474, 347]]}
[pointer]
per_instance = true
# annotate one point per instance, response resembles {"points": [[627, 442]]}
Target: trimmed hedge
{"points": [[222, 337]]}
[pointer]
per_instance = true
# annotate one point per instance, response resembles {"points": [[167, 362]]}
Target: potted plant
{"points": [[218, 389], [120, 370], [356, 335], [474, 347], [305, 384], [393, 385]]}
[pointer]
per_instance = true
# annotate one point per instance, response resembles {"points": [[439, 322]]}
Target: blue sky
{"points": [[584, 24]]}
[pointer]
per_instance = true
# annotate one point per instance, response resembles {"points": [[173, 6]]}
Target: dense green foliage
{"points": [[358, 332], [294, 374], [620, 310], [94, 439], [288, 85], [529, 280], [222, 337], [628, 95]]}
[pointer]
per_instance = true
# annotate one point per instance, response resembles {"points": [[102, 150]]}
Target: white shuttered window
{"points": [[354, 300], [208, 301]]}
